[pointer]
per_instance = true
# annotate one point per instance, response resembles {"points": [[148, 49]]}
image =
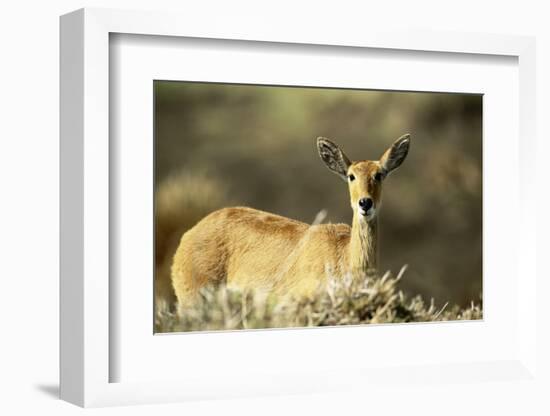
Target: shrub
{"points": [[374, 300]]}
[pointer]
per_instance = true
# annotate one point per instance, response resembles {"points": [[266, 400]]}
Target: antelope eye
{"points": [[378, 177], [351, 177]]}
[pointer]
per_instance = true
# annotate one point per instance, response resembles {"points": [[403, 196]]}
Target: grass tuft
{"points": [[373, 300]]}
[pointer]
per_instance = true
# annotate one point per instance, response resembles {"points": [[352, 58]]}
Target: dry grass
{"points": [[376, 299]]}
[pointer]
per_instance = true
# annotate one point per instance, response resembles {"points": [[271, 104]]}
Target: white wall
{"points": [[29, 183]]}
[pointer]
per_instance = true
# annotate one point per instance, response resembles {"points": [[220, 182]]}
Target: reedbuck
{"points": [[251, 249]]}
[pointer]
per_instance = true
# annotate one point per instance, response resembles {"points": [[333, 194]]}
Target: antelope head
{"points": [[364, 177]]}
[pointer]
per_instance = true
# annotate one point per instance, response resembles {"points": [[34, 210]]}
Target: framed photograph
{"points": [[291, 246], [222, 226]]}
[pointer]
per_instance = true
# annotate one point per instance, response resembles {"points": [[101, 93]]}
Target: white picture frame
{"points": [[86, 356]]}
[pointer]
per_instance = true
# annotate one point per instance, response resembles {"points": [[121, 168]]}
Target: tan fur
{"points": [[251, 249]]}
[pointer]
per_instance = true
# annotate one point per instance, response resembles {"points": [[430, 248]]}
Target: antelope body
{"points": [[251, 249]]}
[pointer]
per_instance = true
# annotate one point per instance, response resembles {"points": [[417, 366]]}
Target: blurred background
{"points": [[255, 146]]}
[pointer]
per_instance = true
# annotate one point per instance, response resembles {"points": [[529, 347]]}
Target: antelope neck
{"points": [[363, 245]]}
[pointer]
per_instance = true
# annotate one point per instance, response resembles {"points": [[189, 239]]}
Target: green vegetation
{"points": [[375, 300]]}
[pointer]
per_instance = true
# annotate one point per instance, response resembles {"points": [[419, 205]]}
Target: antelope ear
{"points": [[334, 157], [396, 154]]}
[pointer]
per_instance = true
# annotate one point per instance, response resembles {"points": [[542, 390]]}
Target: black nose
{"points": [[365, 203]]}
